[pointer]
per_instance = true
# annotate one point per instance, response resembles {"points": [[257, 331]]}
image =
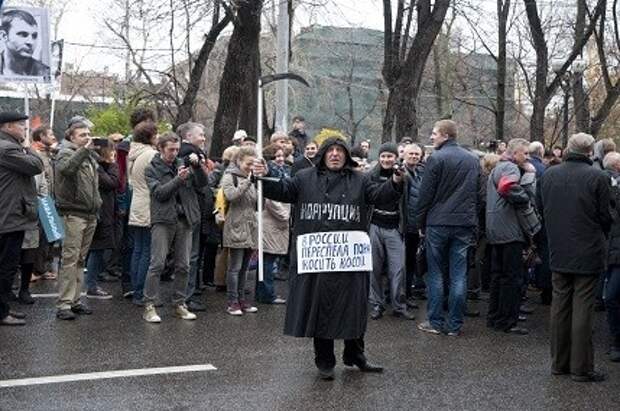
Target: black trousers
{"points": [[324, 357], [572, 318], [507, 274], [208, 256], [413, 279], [10, 250]]}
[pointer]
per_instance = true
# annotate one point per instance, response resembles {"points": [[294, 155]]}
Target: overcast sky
{"points": [[82, 24]]}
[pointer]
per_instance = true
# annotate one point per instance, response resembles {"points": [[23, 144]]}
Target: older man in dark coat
{"points": [[330, 304], [576, 201], [18, 203]]}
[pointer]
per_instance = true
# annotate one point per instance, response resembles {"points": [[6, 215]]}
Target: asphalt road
{"points": [[259, 368]]}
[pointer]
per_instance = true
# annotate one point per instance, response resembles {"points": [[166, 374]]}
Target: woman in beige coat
{"points": [[240, 231], [141, 152]]}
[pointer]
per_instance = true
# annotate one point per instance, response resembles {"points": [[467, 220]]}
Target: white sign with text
{"points": [[334, 251]]}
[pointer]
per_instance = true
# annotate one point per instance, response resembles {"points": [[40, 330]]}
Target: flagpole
{"points": [[259, 183]]}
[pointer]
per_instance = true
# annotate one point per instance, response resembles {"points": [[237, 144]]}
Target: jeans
{"points": [[387, 246], [193, 262], [612, 303], [265, 292], [95, 265], [141, 257], [413, 279], [238, 260], [447, 245], [163, 237]]}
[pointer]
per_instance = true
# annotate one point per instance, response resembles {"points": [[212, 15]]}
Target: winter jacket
{"points": [[18, 198], [139, 158], [170, 195], [576, 200], [31, 237], [613, 253], [105, 233], [450, 189], [240, 228], [48, 156], [329, 304], [538, 165], [411, 197], [385, 214], [76, 181], [300, 164], [275, 227], [505, 196], [300, 139]]}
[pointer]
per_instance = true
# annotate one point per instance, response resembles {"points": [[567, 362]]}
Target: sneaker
{"points": [[182, 312], [150, 315], [406, 315], [247, 307], [98, 294], [428, 328], [65, 314], [278, 300], [128, 294], [234, 309], [81, 309], [454, 334]]}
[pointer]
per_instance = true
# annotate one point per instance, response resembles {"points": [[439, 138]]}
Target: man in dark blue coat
{"points": [[333, 199], [447, 216]]}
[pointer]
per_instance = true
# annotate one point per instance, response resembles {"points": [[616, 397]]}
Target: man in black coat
{"points": [[18, 204], [328, 304], [576, 202]]}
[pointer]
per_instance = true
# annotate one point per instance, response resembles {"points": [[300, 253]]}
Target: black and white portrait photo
{"points": [[24, 45]]}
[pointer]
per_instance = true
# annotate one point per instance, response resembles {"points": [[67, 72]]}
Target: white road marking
{"points": [[52, 295], [53, 379]]}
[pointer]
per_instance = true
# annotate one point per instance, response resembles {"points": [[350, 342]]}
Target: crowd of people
{"points": [[444, 224]]}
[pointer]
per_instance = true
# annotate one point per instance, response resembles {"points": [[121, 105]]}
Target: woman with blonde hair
{"points": [[240, 228]]}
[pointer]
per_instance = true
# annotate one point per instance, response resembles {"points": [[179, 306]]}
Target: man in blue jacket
{"points": [[447, 216]]}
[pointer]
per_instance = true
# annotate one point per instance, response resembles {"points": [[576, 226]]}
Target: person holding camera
{"points": [[174, 211], [386, 239], [78, 202]]}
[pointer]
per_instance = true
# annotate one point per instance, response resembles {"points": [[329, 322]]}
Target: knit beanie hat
{"points": [[389, 148]]}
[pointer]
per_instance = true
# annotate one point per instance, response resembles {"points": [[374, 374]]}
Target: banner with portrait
{"points": [[25, 45]]}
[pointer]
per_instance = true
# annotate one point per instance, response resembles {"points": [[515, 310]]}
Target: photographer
{"points": [[78, 202], [174, 211], [386, 239]]}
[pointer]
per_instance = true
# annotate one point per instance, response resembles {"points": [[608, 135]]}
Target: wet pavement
{"points": [[259, 368]]}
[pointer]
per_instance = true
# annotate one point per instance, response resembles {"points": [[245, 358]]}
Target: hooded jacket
{"points": [[18, 202], [76, 181], [329, 304], [105, 233], [138, 159]]}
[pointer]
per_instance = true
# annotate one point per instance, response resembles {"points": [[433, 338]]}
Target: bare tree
{"points": [[404, 62], [543, 91], [239, 84]]}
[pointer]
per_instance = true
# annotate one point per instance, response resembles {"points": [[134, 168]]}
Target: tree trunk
{"points": [[429, 26], [239, 84], [537, 122], [186, 109], [503, 8], [580, 97]]}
